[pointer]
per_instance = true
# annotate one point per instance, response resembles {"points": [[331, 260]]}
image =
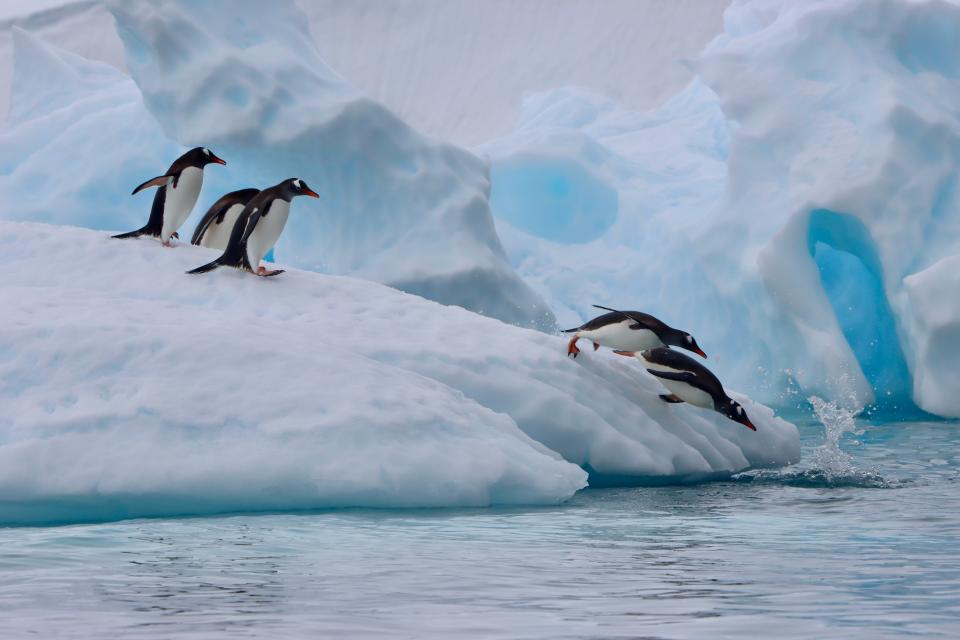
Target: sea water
{"points": [[861, 540]]}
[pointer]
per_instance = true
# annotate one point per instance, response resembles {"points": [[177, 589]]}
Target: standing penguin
{"points": [[630, 331], [217, 224], [176, 195], [259, 226], [689, 381]]}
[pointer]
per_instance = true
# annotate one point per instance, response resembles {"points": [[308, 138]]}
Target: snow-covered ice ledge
{"points": [[131, 389]]}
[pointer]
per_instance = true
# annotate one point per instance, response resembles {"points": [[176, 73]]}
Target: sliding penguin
{"points": [[217, 224], [259, 226], [689, 381], [630, 331], [177, 192]]}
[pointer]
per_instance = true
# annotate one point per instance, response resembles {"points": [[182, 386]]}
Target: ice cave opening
{"points": [[852, 279]]}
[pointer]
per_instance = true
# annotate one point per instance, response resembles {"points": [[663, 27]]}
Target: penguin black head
{"points": [[200, 157], [293, 187], [732, 409], [686, 341]]}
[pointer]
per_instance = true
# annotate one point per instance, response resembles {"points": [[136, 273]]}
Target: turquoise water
{"points": [[865, 546]]}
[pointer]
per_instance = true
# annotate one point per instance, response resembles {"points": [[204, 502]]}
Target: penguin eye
{"points": [[206, 151], [689, 339], [296, 183], [739, 409]]}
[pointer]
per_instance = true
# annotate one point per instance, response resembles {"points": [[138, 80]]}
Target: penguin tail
{"points": [[131, 234], [570, 330], [210, 266]]}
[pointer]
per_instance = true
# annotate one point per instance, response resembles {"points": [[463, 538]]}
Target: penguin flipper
{"points": [[679, 376], [159, 181], [214, 215], [682, 376], [252, 221]]}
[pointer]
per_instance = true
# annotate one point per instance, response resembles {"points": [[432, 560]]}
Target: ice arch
{"points": [[852, 279]]}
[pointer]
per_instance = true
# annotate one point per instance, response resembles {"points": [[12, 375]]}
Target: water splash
{"points": [[829, 466], [838, 417]]}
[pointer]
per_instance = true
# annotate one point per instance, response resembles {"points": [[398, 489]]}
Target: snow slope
{"points": [[132, 389], [790, 208]]}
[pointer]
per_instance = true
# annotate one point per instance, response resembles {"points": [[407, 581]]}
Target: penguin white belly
{"points": [[620, 336], [179, 200], [687, 393], [267, 231], [218, 235]]}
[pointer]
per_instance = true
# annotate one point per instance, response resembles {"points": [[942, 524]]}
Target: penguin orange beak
{"points": [[629, 354], [310, 192], [746, 422], [218, 160], [699, 352]]}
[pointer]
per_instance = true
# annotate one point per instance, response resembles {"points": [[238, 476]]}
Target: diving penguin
{"points": [[176, 195], [259, 226], [214, 229], [630, 331], [689, 381]]}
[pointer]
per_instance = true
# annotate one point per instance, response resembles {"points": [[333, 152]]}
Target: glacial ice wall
{"points": [[795, 208]]}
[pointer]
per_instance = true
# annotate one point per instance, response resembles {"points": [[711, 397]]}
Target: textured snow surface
{"points": [[130, 388], [395, 206], [789, 208]]}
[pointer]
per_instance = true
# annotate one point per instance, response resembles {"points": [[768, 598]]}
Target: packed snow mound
{"points": [[395, 206], [134, 389], [777, 209]]}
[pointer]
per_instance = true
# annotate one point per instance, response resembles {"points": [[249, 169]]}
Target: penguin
{"points": [[689, 381], [177, 192], [214, 229], [630, 331], [259, 226]]}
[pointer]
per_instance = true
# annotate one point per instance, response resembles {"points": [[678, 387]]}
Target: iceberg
{"points": [[131, 389], [795, 208], [397, 207]]}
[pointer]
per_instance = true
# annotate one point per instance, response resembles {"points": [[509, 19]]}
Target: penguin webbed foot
{"points": [[572, 348], [263, 273], [670, 398]]}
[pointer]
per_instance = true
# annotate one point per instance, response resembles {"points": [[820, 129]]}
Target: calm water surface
{"points": [[865, 547]]}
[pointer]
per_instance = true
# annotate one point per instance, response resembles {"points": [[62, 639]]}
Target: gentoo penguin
{"points": [[630, 331], [689, 381], [215, 227], [258, 227], [176, 195]]}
